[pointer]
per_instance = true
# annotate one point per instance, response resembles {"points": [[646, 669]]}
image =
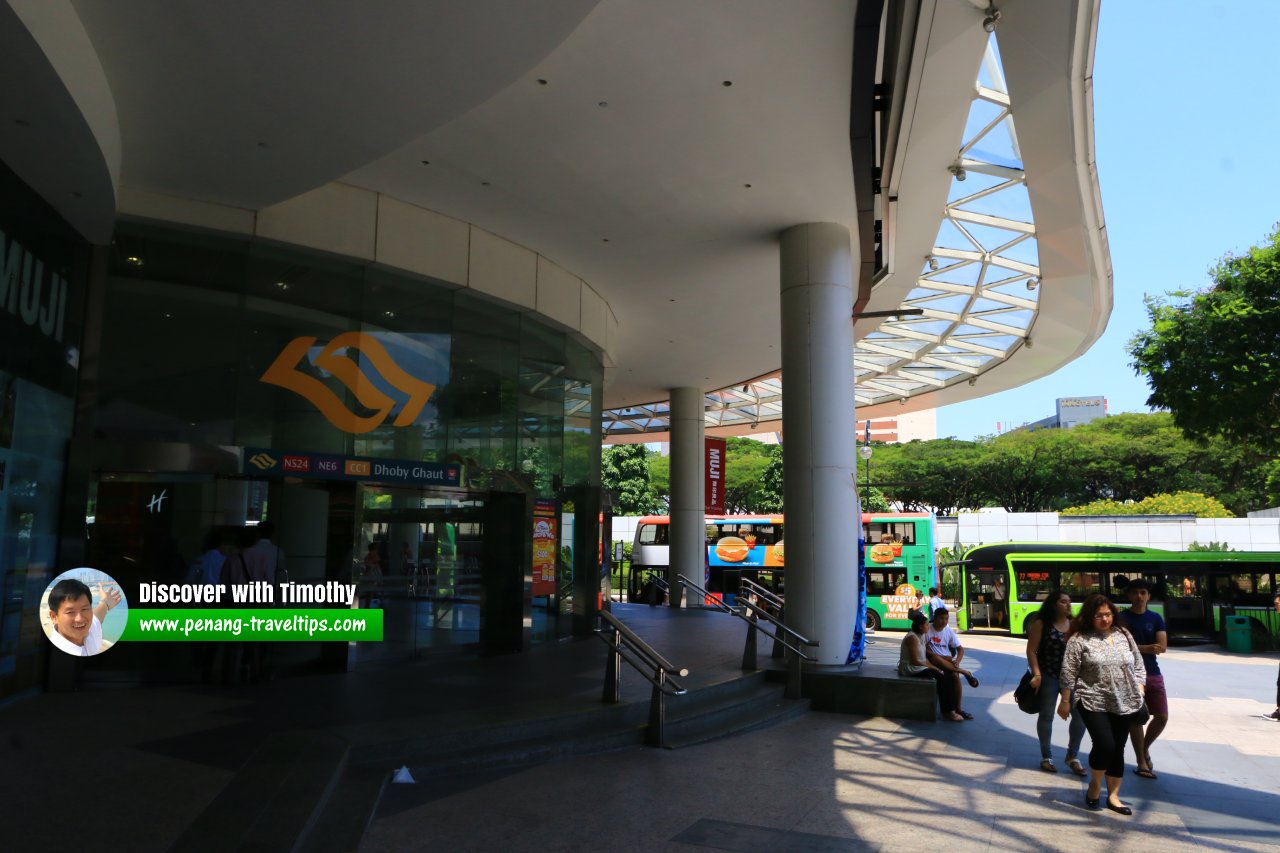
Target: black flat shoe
{"points": [[1124, 810], [1092, 804]]}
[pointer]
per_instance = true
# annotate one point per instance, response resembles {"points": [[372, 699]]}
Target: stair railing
{"points": [[752, 614], [625, 645]]}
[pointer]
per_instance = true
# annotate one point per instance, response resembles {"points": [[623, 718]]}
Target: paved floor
{"points": [[145, 764], [834, 783]]}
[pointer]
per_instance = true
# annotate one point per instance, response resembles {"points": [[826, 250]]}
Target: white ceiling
{"points": [[629, 166]]}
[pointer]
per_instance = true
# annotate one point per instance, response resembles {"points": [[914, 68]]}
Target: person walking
{"points": [[1046, 645], [1275, 715], [1148, 630], [912, 662], [1102, 669]]}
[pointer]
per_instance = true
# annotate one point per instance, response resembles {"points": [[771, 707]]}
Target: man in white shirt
{"points": [[265, 559], [935, 601], [943, 650], [77, 624]]}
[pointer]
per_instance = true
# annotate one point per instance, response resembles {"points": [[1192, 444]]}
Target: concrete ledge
{"points": [[874, 690]]}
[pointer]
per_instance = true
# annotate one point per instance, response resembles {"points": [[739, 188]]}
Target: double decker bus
{"points": [[753, 547], [1192, 590]]}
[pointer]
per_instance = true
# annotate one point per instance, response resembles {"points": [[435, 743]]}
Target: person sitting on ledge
{"points": [[943, 650], [912, 662]]}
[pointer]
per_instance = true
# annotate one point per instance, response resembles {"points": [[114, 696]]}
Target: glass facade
{"points": [[210, 355], [43, 274]]}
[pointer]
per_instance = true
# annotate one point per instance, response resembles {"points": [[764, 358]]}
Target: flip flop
{"points": [[965, 714], [973, 682], [1147, 773]]}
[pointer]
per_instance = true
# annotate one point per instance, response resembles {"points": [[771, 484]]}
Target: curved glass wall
{"points": [[463, 418]]}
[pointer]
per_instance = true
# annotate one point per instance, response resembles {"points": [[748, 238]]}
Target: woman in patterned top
{"points": [[1046, 644], [1104, 669]]}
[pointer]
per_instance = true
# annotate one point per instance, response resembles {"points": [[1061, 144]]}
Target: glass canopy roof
{"points": [[977, 291]]}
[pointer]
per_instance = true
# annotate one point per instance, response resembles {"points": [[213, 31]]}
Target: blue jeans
{"points": [[1049, 696]]}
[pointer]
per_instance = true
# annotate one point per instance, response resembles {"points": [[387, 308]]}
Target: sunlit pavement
{"points": [[827, 782]]}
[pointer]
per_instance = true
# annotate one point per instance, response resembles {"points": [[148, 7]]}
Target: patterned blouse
{"points": [[1106, 672]]}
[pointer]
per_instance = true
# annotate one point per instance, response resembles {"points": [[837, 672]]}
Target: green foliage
{"points": [[873, 500], [938, 476], [1213, 357], [1032, 471], [624, 469], [1179, 503], [660, 480], [950, 577], [1209, 546], [771, 494], [745, 463]]}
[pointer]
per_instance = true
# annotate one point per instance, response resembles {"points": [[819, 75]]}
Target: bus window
{"points": [[654, 534], [1033, 585], [1080, 584], [885, 583]]}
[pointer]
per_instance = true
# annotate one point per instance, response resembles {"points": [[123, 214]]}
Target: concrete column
{"points": [[818, 421], [688, 502]]}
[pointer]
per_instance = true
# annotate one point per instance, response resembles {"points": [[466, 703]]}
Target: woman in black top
{"points": [[1046, 642]]}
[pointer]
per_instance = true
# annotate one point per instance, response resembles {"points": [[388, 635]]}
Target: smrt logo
{"points": [[297, 463], [262, 461], [344, 358], [357, 468]]}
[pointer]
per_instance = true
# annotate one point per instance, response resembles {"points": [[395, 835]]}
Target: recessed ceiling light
{"points": [[727, 83], [389, 313], [168, 316], [426, 162], [264, 145], [484, 183], [283, 285], [748, 186], [603, 104], [541, 82], [604, 239], [135, 260]]}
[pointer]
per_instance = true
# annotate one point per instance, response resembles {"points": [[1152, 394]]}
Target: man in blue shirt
{"points": [[1149, 633]]}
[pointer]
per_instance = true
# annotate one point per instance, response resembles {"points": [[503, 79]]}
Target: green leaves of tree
{"points": [[1212, 358]]}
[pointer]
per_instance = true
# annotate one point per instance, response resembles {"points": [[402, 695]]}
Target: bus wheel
{"points": [[873, 620]]}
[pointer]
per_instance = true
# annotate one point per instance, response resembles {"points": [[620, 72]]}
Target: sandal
{"points": [[973, 682], [1146, 773], [954, 718], [965, 714], [1047, 766], [1076, 767]]}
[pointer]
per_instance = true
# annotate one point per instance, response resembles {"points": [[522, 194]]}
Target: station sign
{"points": [[265, 462]]}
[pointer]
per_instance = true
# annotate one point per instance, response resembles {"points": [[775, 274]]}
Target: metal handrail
{"points": [[749, 649], [623, 643], [761, 592]]}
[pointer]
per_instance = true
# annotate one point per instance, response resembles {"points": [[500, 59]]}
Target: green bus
{"points": [[1192, 590], [900, 560]]}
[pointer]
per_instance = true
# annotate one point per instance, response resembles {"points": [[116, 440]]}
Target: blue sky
{"points": [[1188, 145]]}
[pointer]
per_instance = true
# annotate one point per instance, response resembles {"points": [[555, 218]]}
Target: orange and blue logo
{"points": [[344, 358]]}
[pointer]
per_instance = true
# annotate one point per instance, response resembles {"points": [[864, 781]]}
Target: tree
{"points": [[745, 463], [1032, 471], [1213, 358], [873, 500], [624, 469], [939, 475], [771, 493]]}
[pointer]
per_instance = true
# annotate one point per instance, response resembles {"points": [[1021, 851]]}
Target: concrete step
{"points": [[274, 799]]}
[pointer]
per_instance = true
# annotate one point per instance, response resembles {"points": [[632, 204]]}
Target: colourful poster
{"points": [[544, 547]]}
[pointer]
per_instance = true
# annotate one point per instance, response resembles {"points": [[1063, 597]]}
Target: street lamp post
{"points": [[865, 453]]}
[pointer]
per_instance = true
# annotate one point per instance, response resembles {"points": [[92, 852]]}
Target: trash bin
{"points": [[1239, 634]]}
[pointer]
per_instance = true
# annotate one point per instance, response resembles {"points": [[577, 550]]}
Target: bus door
{"points": [[979, 581], [1188, 610]]}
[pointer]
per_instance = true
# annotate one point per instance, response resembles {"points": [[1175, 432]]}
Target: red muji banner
{"points": [[714, 465]]}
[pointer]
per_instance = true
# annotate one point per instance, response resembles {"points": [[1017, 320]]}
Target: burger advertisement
{"points": [[745, 552]]}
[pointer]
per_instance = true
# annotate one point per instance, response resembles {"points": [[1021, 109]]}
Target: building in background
{"points": [[1071, 412]]}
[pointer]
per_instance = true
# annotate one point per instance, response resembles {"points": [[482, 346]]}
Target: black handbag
{"points": [[1140, 716], [1026, 696]]}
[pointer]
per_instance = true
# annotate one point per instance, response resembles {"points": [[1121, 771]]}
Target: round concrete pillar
{"points": [[818, 421], [688, 548]]}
